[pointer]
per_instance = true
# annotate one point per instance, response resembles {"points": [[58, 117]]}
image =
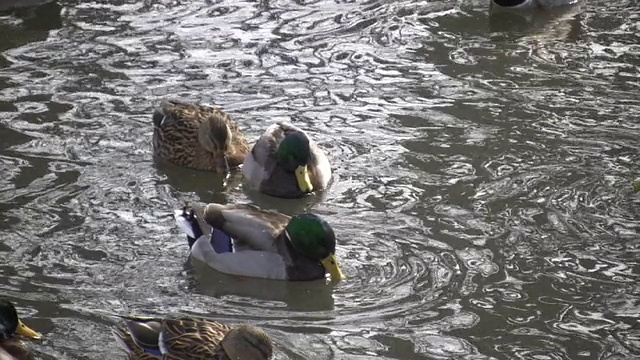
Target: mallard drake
{"points": [[636, 187], [286, 162], [11, 348], [190, 338], [197, 136], [248, 241], [532, 4]]}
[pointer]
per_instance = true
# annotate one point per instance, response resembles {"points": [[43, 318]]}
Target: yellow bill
{"points": [[304, 182], [331, 265], [24, 330]]}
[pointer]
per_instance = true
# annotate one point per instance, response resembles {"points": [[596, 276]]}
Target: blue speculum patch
{"points": [[221, 242]]}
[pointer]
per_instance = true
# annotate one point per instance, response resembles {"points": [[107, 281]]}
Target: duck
{"points": [[198, 137], [531, 4], [11, 329], [190, 338], [636, 187], [285, 162], [245, 240]]}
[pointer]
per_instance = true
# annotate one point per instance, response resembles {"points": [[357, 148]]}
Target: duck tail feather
{"points": [[187, 221], [199, 214], [123, 339]]}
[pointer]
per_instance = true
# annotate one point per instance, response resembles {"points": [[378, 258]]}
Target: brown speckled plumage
{"points": [[197, 136], [190, 338]]}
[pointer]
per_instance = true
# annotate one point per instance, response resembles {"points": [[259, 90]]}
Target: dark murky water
{"points": [[483, 165]]}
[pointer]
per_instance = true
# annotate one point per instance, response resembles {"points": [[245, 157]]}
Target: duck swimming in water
{"points": [[11, 348], [531, 4], [285, 162], [244, 240], [197, 137], [190, 338]]}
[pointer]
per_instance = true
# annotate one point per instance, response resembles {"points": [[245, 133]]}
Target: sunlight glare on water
{"points": [[483, 168]]}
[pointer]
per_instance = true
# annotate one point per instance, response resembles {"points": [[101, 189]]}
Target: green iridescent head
{"points": [[314, 238], [294, 150], [11, 325], [294, 155]]}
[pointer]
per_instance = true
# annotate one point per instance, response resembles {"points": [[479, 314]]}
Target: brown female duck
{"points": [[197, 136], [191, 338]]}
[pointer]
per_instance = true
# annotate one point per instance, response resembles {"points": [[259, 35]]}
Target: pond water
{"points": [[483, 162]]}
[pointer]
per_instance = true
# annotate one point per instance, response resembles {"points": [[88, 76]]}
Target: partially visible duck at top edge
{"points": [[531, 4]]}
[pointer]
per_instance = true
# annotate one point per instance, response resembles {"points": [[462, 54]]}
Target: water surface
{"points": [[483, 171]]}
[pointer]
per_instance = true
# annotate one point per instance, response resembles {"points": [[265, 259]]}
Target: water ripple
{"points": [[482, 167]]}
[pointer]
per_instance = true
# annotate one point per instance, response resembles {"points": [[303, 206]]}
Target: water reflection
{"points": [[207, 186], [304, 297]]}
